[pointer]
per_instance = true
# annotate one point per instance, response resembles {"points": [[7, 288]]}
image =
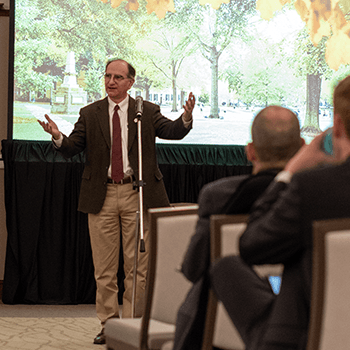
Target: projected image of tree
{"points": [[236, 56]]}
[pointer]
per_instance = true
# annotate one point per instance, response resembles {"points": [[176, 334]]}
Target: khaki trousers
{"points": [[118, 214]]}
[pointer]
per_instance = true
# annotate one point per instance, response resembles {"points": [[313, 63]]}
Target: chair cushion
{"points": [[159, 333], [125, 330]]}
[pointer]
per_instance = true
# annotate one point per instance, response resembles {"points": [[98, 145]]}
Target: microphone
{"points": [[139, 106]]}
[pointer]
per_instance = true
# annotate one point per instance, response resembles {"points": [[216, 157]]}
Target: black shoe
{"points": [[100, 338]]}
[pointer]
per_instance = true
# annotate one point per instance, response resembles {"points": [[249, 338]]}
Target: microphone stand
{"points": [[139, 231]]}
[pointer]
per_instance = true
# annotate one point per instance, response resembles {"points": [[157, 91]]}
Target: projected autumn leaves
{"points": [[322, 18], [160, 7]]}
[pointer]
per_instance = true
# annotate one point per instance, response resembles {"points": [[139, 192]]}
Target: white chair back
{"points": [[171, 230], [330, 297], [225, 233], [170, 286]]}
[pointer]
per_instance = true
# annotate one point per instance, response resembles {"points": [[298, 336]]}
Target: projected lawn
{"points": [[232, 128]]}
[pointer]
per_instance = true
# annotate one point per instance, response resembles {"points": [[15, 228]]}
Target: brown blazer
{"points": [[92, 134]]}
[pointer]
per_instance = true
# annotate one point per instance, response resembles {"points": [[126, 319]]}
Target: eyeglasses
{"points": [[115, 77]]}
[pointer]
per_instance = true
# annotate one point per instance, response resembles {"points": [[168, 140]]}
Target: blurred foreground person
{"points": [[313, 186]]}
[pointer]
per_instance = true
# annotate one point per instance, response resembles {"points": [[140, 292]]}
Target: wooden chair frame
{"points": [[216, 222]]}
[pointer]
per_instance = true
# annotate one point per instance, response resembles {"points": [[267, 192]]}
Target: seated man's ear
{"points": [[338, 127], [250, 151]]}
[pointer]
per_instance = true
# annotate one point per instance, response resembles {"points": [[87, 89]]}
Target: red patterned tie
{"points": [[117, 157]]}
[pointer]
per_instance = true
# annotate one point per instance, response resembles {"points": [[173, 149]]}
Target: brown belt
{"points": [[126, 180]]}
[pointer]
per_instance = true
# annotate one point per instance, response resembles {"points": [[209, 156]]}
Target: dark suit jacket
{"points": [[231, 195], [92, 134], [280, 231]]}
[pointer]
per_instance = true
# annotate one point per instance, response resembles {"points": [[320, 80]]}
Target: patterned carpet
{"points": [[46, 327]]}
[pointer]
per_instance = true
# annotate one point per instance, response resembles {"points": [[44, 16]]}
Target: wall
{"points": [[4, 59]]}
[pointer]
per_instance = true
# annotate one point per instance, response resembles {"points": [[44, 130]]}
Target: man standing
{"points": [[313, 186], [107, 193], [275, 140]]}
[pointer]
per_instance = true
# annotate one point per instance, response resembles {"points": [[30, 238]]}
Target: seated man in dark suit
{"points": [[275, 140], [313, 186]]}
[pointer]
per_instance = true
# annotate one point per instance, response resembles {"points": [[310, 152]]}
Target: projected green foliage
{"points": [[212, 31], [47, 29]]}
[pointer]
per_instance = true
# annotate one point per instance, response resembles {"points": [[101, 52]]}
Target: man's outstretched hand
{"points": [[50, 127], [190, 103]]}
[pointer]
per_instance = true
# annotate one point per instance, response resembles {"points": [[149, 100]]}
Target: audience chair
{"points": [[168, 345], [330, 294], [225, 232], [166, 288]]}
